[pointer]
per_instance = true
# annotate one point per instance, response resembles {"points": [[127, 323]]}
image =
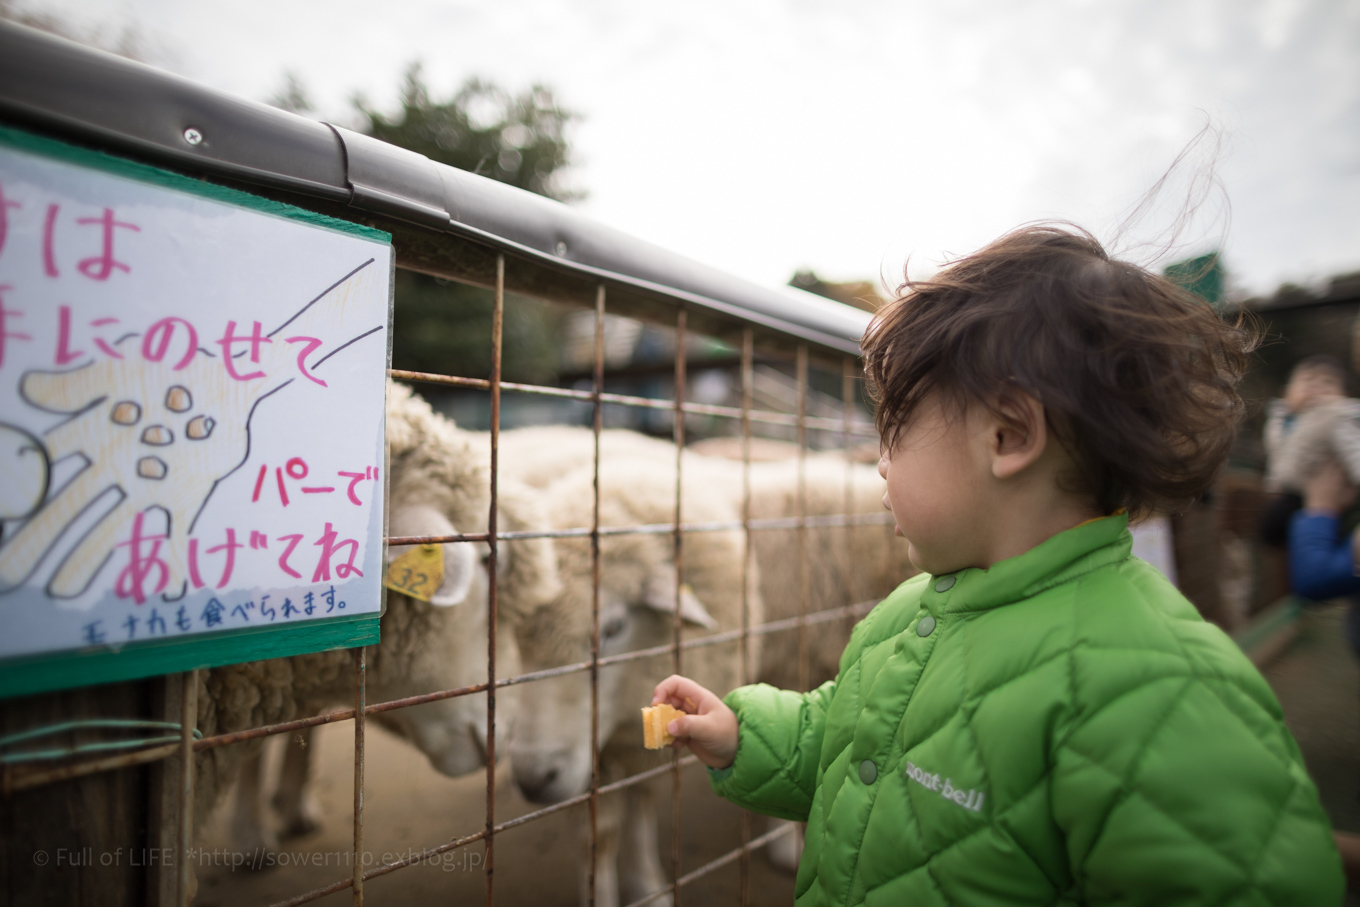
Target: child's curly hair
{"points": [[1138, 377]]}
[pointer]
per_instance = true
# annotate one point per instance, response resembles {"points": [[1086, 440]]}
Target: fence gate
{"points": [[103, 160]]}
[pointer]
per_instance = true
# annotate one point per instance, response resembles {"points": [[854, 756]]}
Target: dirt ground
{"points": [[410, 807], [1318, 684]]}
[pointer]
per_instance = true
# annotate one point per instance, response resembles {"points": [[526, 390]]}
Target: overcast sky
{"points": [[763, 136]]}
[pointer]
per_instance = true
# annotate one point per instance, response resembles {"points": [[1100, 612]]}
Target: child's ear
{"points": [[1018, 434]]}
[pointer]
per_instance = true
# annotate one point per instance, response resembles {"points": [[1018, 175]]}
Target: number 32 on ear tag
{"points": [[417, 573]]}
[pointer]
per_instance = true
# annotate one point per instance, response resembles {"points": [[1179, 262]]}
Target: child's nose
{"points": [[883, 465]]}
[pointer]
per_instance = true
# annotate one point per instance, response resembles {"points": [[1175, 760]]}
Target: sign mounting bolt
{"points": [[193, 136]]}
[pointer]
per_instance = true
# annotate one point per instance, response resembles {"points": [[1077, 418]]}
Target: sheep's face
{"points": [[441, 645], [452, 732], [550, 751]]}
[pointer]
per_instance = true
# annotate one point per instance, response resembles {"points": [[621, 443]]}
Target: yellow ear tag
{"points": [[417, 573]]}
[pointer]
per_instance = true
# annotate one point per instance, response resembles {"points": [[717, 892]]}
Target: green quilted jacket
{"points": [[1061, 728]]}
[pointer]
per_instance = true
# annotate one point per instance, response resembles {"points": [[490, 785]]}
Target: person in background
{"points": [[1313, 423], [1322, 558]]}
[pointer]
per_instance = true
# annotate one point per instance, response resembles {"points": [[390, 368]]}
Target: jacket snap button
{"points": [[868, 772], [945, 583], [926, 626]]}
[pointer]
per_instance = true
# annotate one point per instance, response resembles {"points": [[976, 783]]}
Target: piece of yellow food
{"points": [[654, 721]]}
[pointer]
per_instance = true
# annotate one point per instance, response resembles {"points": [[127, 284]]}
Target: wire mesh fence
{"points": [[788, 413], [811, 617]]}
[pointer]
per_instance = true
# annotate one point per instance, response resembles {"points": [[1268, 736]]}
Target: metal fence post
{"points": [[681, 323], [497, 329], [597, 425], [804, 671], [747, 380], [360, 704], [188, 720]]}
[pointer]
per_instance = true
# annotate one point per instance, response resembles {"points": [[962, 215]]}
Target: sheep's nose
{"points": [[478, 736], [533, 788]]}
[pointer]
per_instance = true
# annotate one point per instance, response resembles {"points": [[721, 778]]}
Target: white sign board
{"points": [[191, 407]]}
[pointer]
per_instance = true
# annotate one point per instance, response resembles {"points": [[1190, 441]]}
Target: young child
{"points": [[1313, 423], [1038, 718]]}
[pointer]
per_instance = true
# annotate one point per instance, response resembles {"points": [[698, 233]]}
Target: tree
{"points": [[860, 293], [520, 139], [293, 96], [444, 326]]}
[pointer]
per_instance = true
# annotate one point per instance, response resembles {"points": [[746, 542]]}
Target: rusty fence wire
{"points": [[807, 620]]}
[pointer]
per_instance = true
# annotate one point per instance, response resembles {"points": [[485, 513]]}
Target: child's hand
{"points": [[709, 728]]}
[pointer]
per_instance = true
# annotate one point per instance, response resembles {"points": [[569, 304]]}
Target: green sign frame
{"points": [[45, 672]]}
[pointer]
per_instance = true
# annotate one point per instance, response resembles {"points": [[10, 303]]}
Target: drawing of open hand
{"points": [[152, 438], [157, 426], [23, 461]]}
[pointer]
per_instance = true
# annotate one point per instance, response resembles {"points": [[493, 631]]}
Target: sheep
{"points": [[845, 564], [765, 450], [550, 751], [856, 565], [539, 456], [439, 480], [838, 565], [842, 565]]}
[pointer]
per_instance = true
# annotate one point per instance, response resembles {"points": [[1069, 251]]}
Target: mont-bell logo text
{"points": [[968, 799]]}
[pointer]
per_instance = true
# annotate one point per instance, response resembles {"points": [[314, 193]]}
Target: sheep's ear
{"points": [[460, 566], [659, 595], [459, 560]]}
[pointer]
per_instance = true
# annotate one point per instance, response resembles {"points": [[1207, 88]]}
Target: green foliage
{"points": [[292, 96], [518, 139], [445, 327]]}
